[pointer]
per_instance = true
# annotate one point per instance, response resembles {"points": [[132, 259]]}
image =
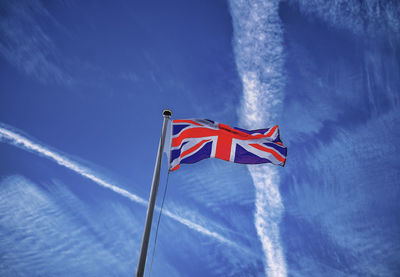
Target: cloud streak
{"points": [[26, 45], [22, 142], [259, 59], [53, 232], [361, 17]]}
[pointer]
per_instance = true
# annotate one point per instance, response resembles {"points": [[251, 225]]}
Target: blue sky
{"points": [[82, 89]]}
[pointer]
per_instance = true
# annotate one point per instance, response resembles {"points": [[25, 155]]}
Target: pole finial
{"points": [[167, 113]]}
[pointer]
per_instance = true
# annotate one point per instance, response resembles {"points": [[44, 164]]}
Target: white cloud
{"points": [[24, 143], [25, 44], [347, 200], [259, 59], [42, 234], [360, 17]]}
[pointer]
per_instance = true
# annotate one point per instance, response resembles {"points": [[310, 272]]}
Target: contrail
{"points": [[26, 144], [259, 60]]}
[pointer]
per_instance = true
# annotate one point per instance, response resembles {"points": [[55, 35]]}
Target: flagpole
{"points": [[152, 201]]}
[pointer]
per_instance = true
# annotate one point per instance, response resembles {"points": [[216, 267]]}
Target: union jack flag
{"points": [[197, 139]]}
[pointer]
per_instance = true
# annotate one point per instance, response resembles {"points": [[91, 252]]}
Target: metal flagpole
{"points": [[152, 201]]}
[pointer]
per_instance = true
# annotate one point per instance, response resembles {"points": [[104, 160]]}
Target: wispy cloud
{"points": [[12, 137], [361, 17], [341, 183], [26, 45], [347, 199], [42, 233], [259, 59]]}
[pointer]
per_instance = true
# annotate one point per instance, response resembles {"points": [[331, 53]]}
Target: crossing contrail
{"points": [[259, 59], [22, 142]]}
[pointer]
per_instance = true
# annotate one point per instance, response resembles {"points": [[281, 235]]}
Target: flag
{"points": [[196, 139]]}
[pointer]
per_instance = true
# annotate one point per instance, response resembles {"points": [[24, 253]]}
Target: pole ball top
{"points": [[167, 113]]}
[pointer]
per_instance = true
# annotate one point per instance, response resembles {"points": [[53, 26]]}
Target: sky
{"points": [[82, 89]]}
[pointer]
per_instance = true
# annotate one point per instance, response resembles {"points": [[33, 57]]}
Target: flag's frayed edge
{"points": [[12, 137], [259, 59]]}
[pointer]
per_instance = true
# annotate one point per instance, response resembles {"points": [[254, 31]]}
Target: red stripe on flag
{"points": [[197, 132], [194, 148], [223, 149], [175, 167], [276, 155], [271, 131]]}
